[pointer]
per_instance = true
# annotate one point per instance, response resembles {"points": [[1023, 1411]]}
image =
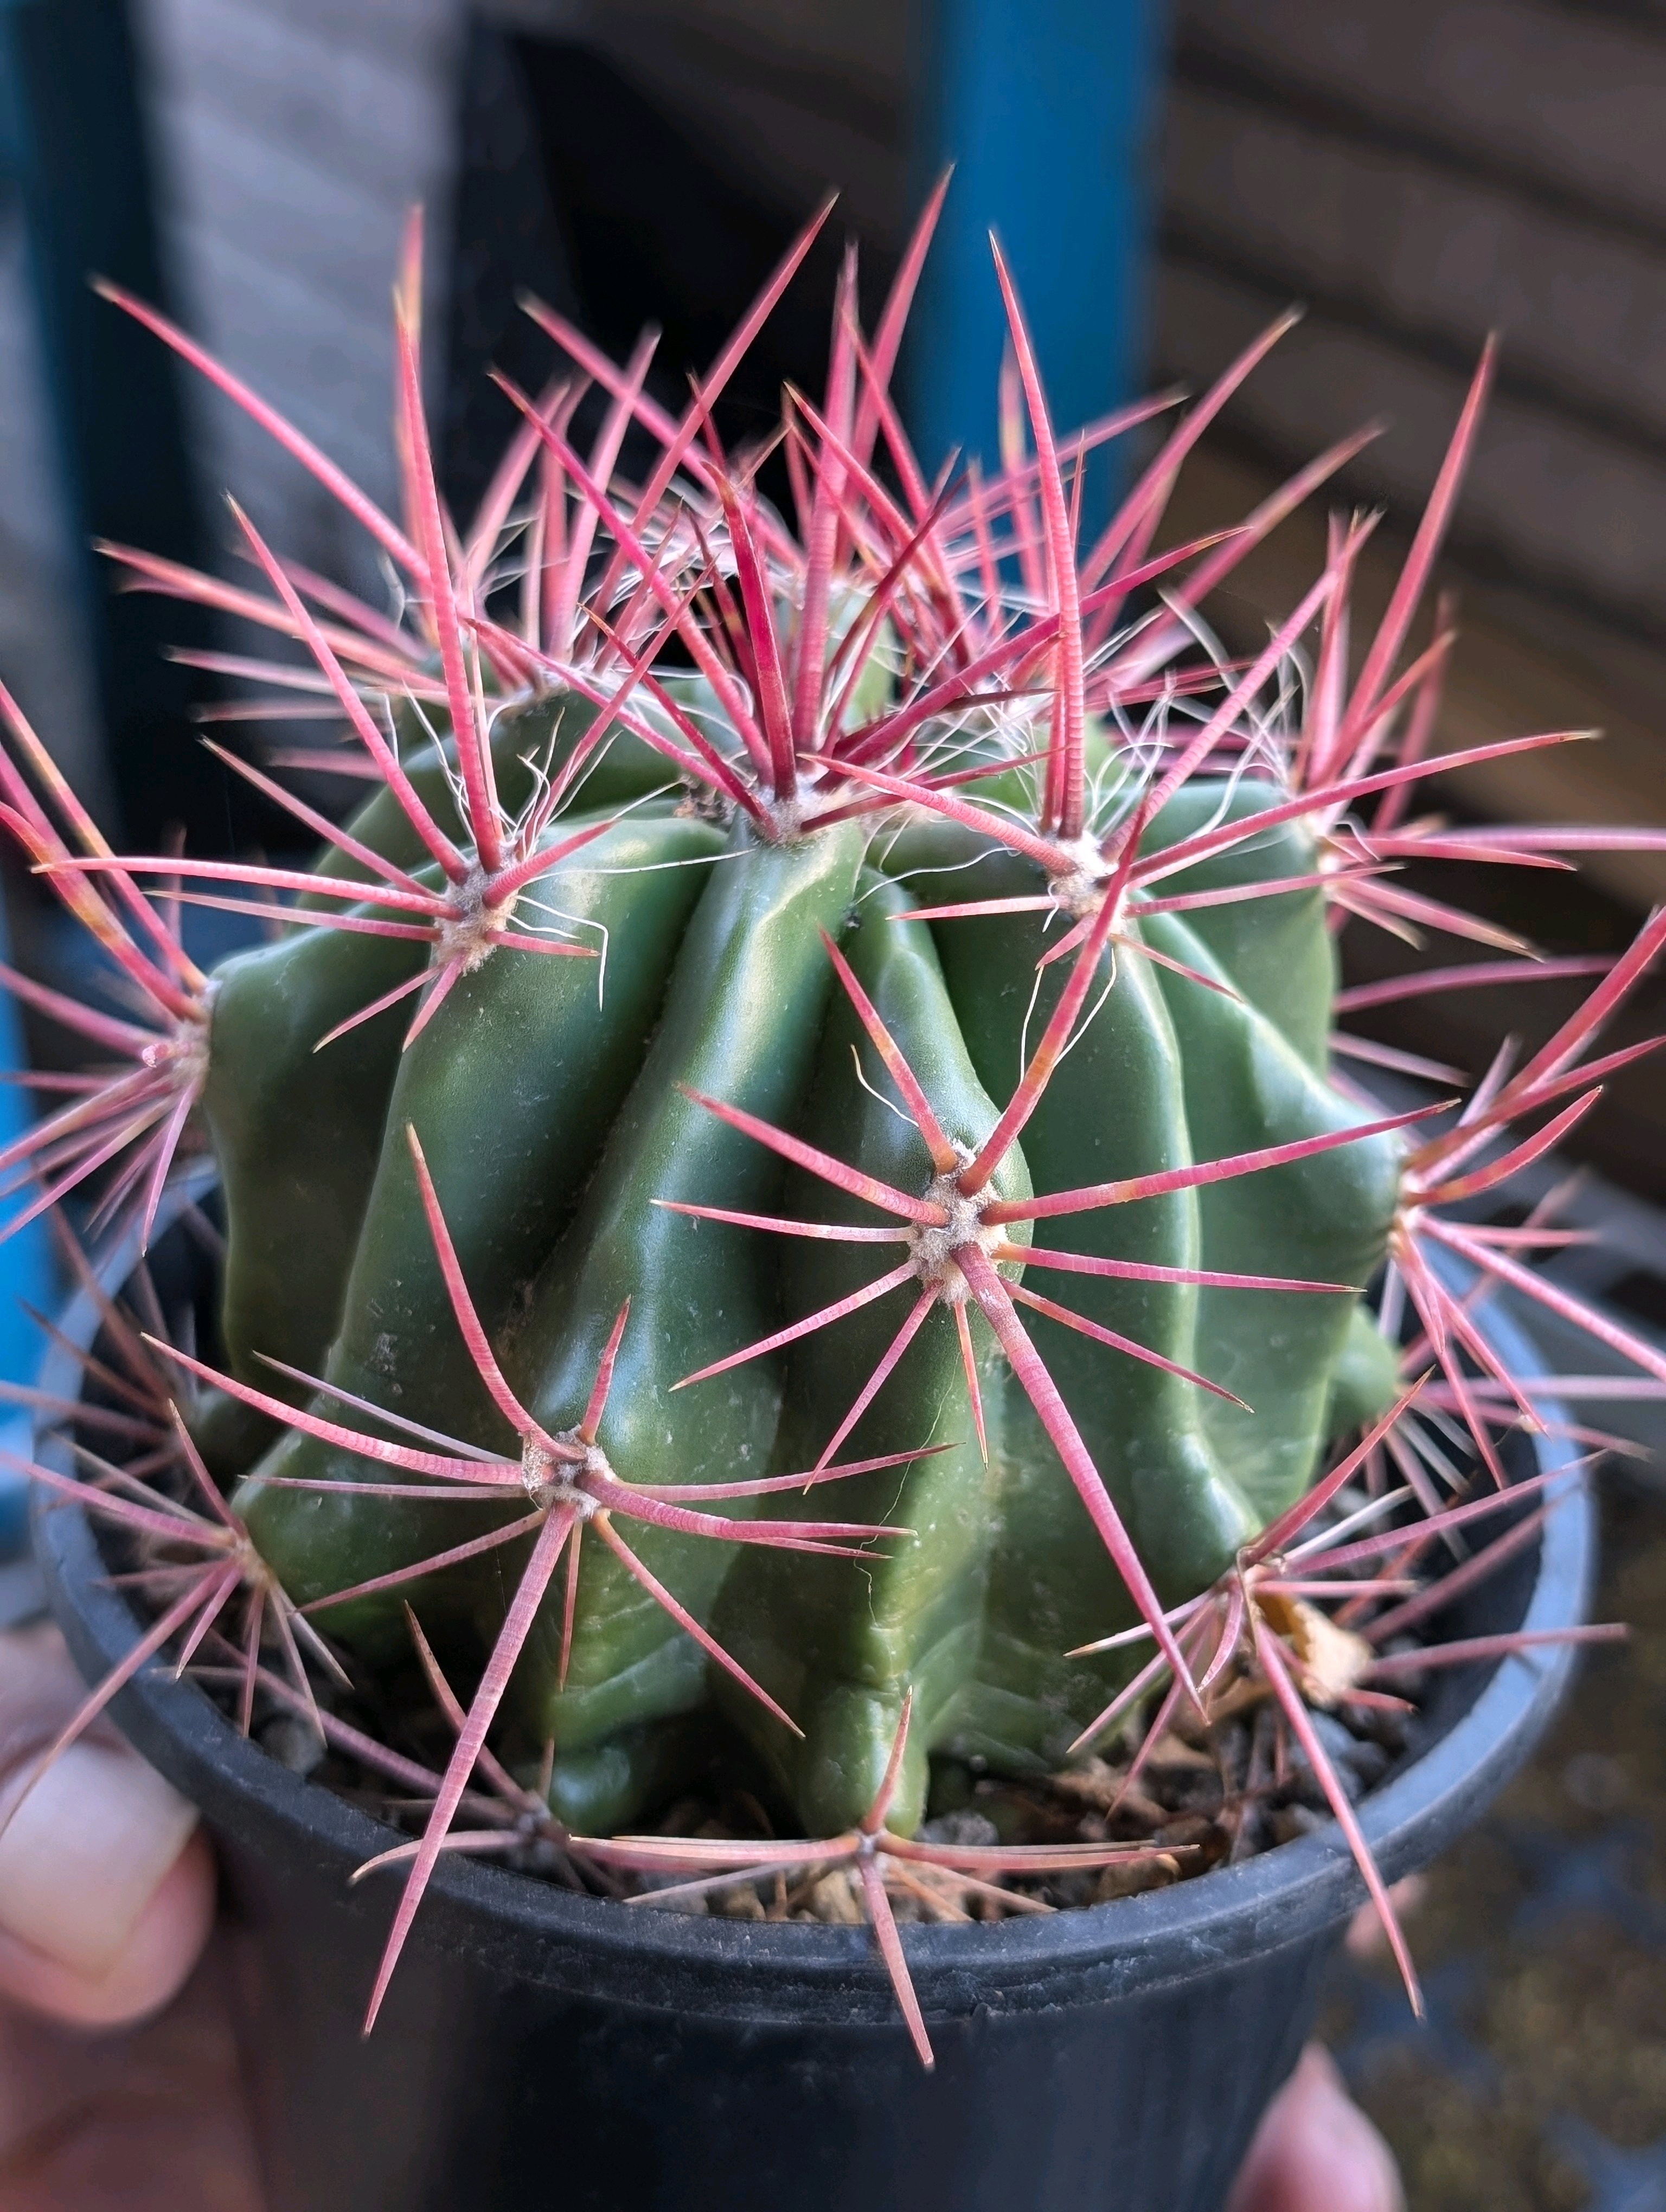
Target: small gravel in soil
{"points": [[1205, 1797]]}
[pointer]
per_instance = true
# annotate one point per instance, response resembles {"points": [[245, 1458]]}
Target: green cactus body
{"points": [[296, 1131], [840, 1651], [698, 1290], [1278, 951], [552, 1126], [511, 1089], [1114, 1108], [1366, 1379], [1326, 1218]]}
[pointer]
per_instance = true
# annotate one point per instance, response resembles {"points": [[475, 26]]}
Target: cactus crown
{"points": [[768, 950]]}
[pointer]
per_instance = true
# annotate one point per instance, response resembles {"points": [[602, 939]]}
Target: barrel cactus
{"points": [[837, 1011]]}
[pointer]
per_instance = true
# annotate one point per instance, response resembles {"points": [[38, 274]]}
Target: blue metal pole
{"points": [[1047, 108], [26, 1271]]}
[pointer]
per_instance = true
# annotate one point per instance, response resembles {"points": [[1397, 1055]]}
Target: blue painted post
{"points": [[26, 1271], [1048, 110]]}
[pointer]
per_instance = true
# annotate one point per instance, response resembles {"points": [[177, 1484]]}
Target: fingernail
{"points": [[84, 1853]]}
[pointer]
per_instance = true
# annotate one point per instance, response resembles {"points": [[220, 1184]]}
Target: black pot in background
{"points": [[540, 2049]]}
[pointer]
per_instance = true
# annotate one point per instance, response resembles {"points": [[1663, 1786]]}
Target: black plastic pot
{"points": [[540, 2049]]}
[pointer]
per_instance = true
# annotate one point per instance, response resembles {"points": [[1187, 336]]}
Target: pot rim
{"points": [[530, 1930]]}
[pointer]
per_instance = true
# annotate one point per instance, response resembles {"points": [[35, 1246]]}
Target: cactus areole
{"points": [[789, 1214]]}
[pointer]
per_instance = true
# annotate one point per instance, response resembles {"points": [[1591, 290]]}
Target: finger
{"points": [[1316, 2151], [150, 2118], [106, 1893]]}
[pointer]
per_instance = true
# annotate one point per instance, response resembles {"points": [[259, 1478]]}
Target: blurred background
{"points": [[1166, 179]]}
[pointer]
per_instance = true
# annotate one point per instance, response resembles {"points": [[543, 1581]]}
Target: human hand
{"points": [[118, 2083], [1316, 2151]]}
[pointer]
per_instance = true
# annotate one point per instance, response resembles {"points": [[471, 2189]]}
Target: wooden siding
{"points": [[292, 136], [1418, 172]]}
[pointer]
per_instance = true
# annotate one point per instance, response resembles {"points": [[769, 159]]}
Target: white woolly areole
{"points": [[551, 1482], [932, 1247], [1080, 885], [464, 934], [185, 1051]]}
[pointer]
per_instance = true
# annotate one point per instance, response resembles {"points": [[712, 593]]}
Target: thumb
{"points": [[106, 1886], [1316, 2151]]}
